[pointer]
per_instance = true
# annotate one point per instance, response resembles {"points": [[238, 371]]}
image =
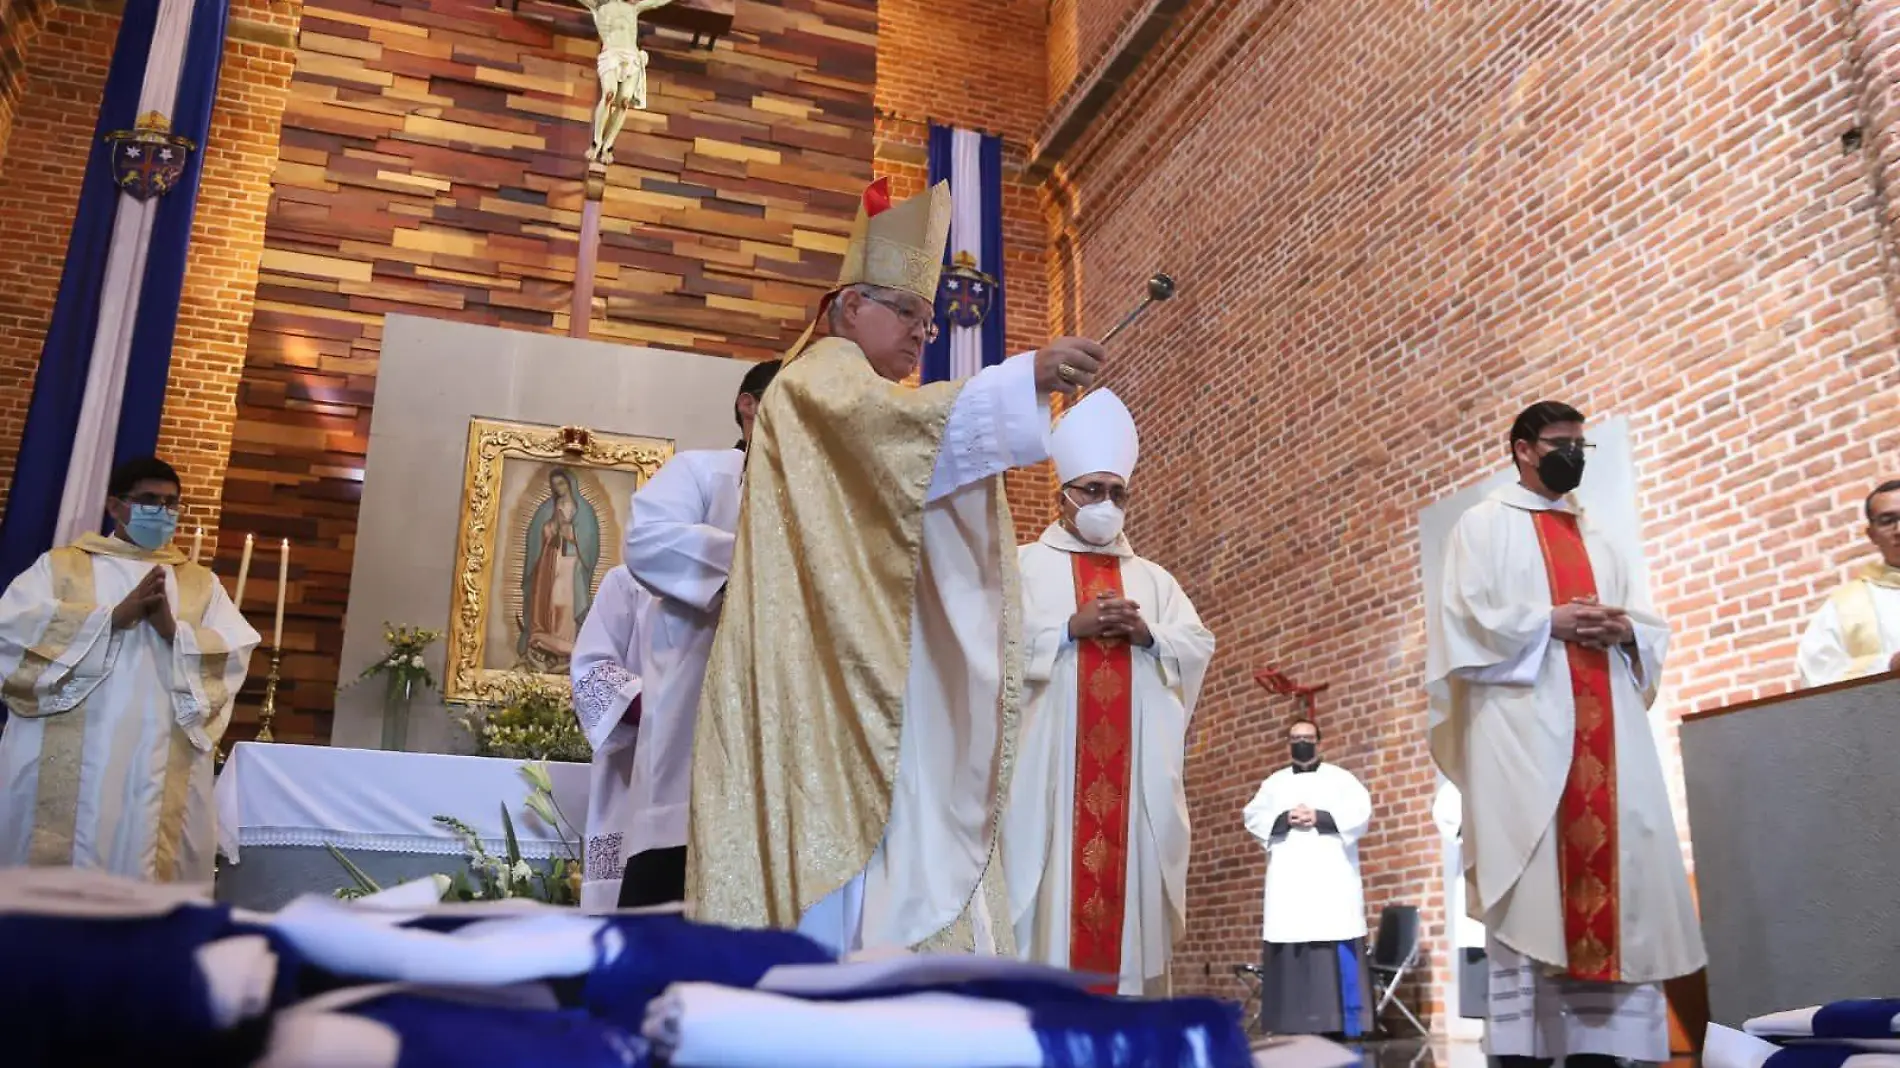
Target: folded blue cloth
{"points": [[88, 990], [1823, 1057], [434, 1033], [656, 951], [1078, 1029], [1860, 1018]]}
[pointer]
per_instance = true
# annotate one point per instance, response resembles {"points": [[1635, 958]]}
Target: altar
{"points": [[279, 805]]}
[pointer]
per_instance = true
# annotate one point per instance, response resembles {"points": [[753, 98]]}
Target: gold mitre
{"points": [[899, 246], [894, 246]]}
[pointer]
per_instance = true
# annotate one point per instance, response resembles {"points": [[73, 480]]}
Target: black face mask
{"points": [[1561, 470], [1304, 751]]}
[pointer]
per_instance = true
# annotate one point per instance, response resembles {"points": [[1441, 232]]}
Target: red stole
{"points": [[1586, 816], [1098, 872]]}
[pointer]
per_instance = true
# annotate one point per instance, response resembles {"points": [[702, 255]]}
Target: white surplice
{"points": [[1824, 657], [1312, 891], [1448, 812], [124, 785], [1039, 824], [938, 839], [679, 546], [1502, 717], [605, 671]]}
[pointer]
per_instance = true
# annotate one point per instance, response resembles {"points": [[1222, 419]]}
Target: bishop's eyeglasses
{"points": [[909, 316]]}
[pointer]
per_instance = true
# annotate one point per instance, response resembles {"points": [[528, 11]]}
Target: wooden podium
{"points": [[1794, 819]]}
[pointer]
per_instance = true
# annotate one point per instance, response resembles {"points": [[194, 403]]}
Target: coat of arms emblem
{"points": [[964, 294], [148, 159]]}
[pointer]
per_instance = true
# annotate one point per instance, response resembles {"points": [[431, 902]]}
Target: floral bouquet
{"points": [[403, 665], [535, 721], [492, 878], [405, 671]]}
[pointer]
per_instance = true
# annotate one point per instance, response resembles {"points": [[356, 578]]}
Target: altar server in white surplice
{"points": [[1116, 657], [679, 548], [1543, 658], [1310, 816], [605, 671], [120, 660], [1857, 631]]}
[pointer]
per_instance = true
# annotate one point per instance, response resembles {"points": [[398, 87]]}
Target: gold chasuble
{"points": [[795, 753], [108, 790], [796, 747], [1860, 625]]}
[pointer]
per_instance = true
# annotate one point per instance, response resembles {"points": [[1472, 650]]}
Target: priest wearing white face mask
{"points": [[121, 659], [1116, 655]]}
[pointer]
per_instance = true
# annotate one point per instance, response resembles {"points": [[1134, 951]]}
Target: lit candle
{"points": [[198, 545], [283, 579], [244, 572]]}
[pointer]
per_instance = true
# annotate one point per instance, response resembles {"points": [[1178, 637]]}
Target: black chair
{"points": [[1395, 952]]}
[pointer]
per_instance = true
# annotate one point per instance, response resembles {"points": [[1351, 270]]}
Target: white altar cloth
{"points": [[272, 794]]}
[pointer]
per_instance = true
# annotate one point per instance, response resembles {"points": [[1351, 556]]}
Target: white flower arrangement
{"points": [[403, 663], [494, 878]]}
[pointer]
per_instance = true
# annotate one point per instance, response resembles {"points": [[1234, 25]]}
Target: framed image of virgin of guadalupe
{"points": [[541, 525]]}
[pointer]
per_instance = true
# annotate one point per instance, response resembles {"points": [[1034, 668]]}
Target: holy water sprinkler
{"points": [[1160, 287]]}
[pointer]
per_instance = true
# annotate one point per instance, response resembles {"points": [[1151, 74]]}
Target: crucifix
{"points": [[622, 67]]}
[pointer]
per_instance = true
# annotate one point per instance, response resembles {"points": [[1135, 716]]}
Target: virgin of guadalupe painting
{"points": [[542, 510], [561, 569]]}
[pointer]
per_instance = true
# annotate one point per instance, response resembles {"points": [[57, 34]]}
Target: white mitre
{"points": [[1097, 434]]}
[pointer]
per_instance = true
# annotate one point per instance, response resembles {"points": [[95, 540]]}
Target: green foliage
{"points": [[556, 881], [535, 721]]}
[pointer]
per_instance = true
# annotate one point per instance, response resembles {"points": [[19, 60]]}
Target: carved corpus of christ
{"points": [[622, 67]]}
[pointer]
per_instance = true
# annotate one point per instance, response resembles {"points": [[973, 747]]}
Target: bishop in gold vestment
{"points": [[857, 725]]}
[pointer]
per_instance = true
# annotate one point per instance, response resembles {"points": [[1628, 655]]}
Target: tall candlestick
{"points": [[283, 578], [198, 545], [244, 572]]}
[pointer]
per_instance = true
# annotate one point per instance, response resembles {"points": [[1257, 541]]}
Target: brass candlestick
{"points": [[269, 708]]}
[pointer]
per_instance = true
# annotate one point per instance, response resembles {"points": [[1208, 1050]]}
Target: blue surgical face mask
{"points": [[151, 525]]}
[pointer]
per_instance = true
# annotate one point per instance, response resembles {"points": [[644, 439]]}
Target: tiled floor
{"points": [[1416, 1053]]}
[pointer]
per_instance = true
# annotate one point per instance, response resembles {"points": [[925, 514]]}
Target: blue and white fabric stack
{"points": [[95, 970], [1863, 1033]]}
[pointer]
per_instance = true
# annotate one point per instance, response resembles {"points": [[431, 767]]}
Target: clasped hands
{"points": [[147, 601], [1301, 816], [1113, 618], [1586, 621]]}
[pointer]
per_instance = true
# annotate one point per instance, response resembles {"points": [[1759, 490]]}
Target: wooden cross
{"points": [[706, 20]]}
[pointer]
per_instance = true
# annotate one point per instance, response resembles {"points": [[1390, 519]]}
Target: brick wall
{"points": [[1396, 224], [40, 174], [20, 22], [1080, 33], [979, 65], [227, 240]]}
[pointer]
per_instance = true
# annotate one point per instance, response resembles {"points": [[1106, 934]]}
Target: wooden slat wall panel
{"points": [[431, 163]]}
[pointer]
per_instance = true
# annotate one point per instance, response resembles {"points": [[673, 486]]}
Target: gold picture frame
{"points": [[542, 514]]}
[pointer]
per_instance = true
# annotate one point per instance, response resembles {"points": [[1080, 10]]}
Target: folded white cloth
{"points": [[886, 970], [1800, 1023], [90, 893], [698, 1025], [1871, 1024], [520, 946], [420, 893], [238, 973], [1725, 1047]]}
